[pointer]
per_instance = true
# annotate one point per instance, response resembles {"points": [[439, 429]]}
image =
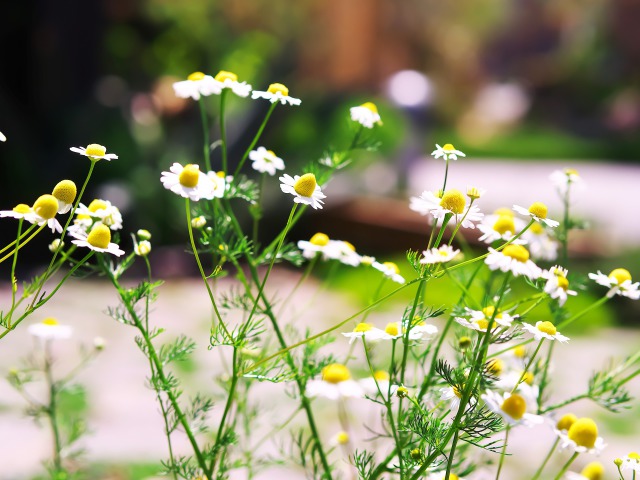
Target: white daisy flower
{"points": [[618, 282], [370, 385], [389, 270], [342, 251], [512, 408], [557, 285], [224, 79], [631, 462], [565, 179], [366, 115], [543, 330], [142, 248], [500, 227], [366, 331], [514, 259], [220, 183], [526, 388], [98, 239], [443, 254], [591, 471], [95, 152], [276, 92], [501, 318], [336, 383], [265, 161], [196, 85], [2, 137], [478, 325], [65, 192], [420, 330], [450, 202], [315, 245], [188, 182], [451, 395], [448, 152], [104, 211], [582, 437], [538, 211], [50, 329], [20, 211], [304, 189], [541, 245]]}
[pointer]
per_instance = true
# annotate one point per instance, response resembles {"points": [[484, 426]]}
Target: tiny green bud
{"points": [[416, 454], [464, 343], [402, 392], [618, 462], [143, 234]]}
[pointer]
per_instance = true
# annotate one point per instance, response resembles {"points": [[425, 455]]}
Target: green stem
{"points": [[52, 412], [227, 407], [9, 245], [566, 466], [503, 453], [255, 139], [223, 133], [14, 280], [15, 250], [205, 134], [546, 460]]}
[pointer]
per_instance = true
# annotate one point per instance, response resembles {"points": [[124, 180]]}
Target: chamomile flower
{"points": [[366, 115], [188, 182], [511, 407], [315, 245], [224, 79], [342, 251], [618, 282], [557, 285], [541, 245], [526, 386], [451, 202], [389, 270], [336, 383], [50, 329], [98, 239], [103, 211], [420, 330], [591, 471], [196, 85], [276, 92], [582, 437], [563, 180], [538, 211], [479, 325], [514, 259], [304, 189], [631, 462], [20, 211], [265, 161], [142, 248], [366, 331], [452, 396], [44, 210], [545, 330], [65, 192], [500, 226], [379, 379], [501, 318], [95, 152], [198, 222], [443, 254], [220, 183], [448, 152]]}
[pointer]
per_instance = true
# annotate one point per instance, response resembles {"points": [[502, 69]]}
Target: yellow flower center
{"points": [[520, 351], [538, 209], [495, 366], [593, 471], [620, 275], [335, 373], [363, 327], [504, 212], [46, 206], [547, 327], [195, 76], [528, 378], [370, 106], [517, 252], [392, 329], [563, 283], [570, 171], [65, 191], [464, 342], [100, 236], [489, 312], [96, 205], [634, 456], [22, 208], [454, 201], [566, 421], [584, 432], [305, 185], [514, 406], [342, 438], [224, 75], [349, 246], [50, 321], [381, 376], [392, 267], [457, 392], [189, 176], [448, 147], [473, 193], [536, 229], [504, 224], [278, 88], [95, 150], [482, 324], [319, 239], [272, 153]]}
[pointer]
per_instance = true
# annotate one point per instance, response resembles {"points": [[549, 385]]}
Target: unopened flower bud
{"points": [[143, 234]]}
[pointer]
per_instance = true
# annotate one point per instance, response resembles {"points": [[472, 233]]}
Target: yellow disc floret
{"points": [[95, 150], [593, 471], [517, 252], [22, 209], [100, 236], [96, 205], [305, 185], [278, 88], [538, 209], [520, 351], [620, 275], [547, 327], [392, 329], [370, 106], [381, 376], [342, 438], [448, 147], [189, 176], [223, 75], [392, 267], [566, 421], [495, 366], [504, 212], [515, 406], [563, 283], [454, 201], [46, 206], [319, 239], [195, 76], [363, 327], [504, 224], [634, 456], [335, 373], [528, 378], [65, 191], [50, 321], [584, 432], [482, 324]]}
